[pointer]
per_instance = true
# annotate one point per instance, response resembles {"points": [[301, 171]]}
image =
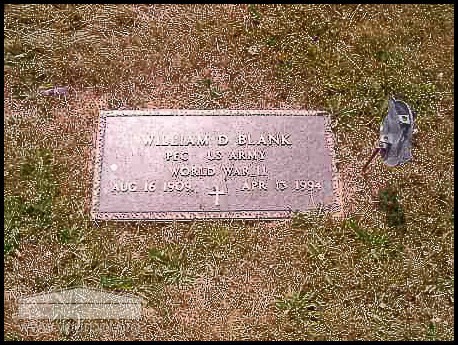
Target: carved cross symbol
{"points": [[216, 192]]}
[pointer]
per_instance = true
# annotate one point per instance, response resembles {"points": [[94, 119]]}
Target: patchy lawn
{"points": [[385, 272]]}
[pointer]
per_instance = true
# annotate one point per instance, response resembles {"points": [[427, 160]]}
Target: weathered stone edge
{"points": [[207, 112]]}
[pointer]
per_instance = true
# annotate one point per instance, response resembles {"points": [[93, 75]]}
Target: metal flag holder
{"points": [[396, 132]]}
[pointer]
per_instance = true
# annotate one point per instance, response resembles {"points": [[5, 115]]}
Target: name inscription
{"points": [[222, 140], [163, 166]]}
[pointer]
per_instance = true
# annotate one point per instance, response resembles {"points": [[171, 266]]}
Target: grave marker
{"points": [[189, 164]]}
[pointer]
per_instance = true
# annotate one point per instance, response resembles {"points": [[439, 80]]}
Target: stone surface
{"points": [[187, 164]]}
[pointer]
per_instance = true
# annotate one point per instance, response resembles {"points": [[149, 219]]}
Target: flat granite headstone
{"points": [[189, 164]]}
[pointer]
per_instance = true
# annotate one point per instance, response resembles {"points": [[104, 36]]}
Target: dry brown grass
{"points": [[368, 280]]}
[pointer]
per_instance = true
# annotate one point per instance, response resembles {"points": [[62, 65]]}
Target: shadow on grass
{"points": [[389, 204]]}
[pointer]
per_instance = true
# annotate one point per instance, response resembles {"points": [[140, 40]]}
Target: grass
{"points": [[384, 272], [113, 282], [168, 266], [389, 204], [300, 307], [29, 213]]}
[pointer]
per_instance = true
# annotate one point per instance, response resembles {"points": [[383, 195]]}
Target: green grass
{"points": [[114, 282], [431, 332], [167, 265], [69, 235], [299, 307], [31, 211], [384, 272], [12, 337]]}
